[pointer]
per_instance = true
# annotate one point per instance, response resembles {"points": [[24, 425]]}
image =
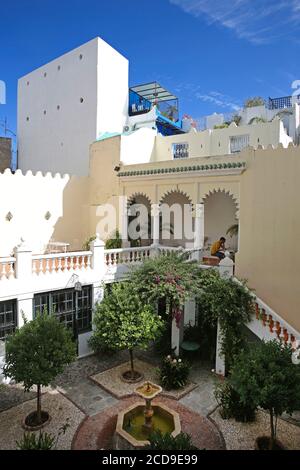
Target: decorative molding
{"points": [[176, 191], [131, 199], [183, 169], [9, 216], [227, 192]]}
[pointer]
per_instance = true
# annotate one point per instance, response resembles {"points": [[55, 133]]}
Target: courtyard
{"points": [[90, 410]]}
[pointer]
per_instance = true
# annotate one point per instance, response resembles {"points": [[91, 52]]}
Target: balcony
{"points": [[283, 102], [142, 98]]}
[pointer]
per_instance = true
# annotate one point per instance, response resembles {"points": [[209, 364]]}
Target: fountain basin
{"points": [[130, 432]]}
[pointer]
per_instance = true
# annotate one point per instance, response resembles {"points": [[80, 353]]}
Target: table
{"points": [[191, 346], [59, 247]]}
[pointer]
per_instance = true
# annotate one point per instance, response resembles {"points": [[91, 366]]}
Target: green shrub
{"points": [[174, 373], [231, 405], [266, 377], [32, 441], [160, 441], [115, 241], [254, 101], [221, 126], [88, 241]]}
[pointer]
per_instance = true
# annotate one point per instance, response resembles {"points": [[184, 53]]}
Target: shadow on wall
{"points": [[220, 214], [41, 208]]}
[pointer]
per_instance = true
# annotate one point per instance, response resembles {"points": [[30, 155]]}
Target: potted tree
{"points": [[124, 322], [267, 375], [35, 354]]}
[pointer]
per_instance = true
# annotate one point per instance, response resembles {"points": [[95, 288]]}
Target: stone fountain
{"points": [[135, 423]]}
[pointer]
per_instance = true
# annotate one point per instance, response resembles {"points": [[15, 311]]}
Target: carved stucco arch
{"points": [[133, 196], [177, 191], [228, 192]]}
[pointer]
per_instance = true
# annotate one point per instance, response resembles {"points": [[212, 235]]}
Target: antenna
{"points": [[6, 129]]}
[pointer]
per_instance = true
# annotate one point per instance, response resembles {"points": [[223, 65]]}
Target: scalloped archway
{"points": [[176, 218], [221, 211], [227, 191], [144, 226]]}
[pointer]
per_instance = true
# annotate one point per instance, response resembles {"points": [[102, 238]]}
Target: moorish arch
{"points": [[221, 212], [176, 220], [231, 188], [138, 196], [139, 206]]}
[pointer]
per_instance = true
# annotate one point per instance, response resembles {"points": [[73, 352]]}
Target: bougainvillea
{"points": [[169, 277]]}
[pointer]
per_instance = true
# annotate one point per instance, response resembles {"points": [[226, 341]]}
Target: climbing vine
{"points": [[229, 303], [171, 279]]}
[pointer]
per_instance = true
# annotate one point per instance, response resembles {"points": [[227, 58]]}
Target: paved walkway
{"points": [[76, 385], [202, 399]]}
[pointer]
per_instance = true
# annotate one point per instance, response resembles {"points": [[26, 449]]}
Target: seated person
{"points": [[218, 248]]}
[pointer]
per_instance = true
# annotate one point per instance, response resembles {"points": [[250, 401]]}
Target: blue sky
{"points": [[212, 54]]}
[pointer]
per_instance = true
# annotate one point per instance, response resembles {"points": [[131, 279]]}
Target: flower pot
{"points": [[263, 443], [29, 422]]}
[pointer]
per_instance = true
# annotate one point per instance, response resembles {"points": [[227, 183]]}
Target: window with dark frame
{"points": [[180, 150], [73, 308], [8, 318]]}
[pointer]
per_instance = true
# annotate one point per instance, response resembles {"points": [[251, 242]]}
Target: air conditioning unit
{"points": [[126, 129]]}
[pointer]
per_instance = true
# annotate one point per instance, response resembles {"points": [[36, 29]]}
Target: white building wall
{"points": [[138, 146], [42, 208], [64, 105], [112, 89], [214, 142]]}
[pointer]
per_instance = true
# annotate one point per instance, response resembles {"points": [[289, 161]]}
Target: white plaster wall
{"points": [[28, 198], [219, 215], [112, 89], [138, 146], [143, 120], [214, 142], [59, 140], [214, 120]]}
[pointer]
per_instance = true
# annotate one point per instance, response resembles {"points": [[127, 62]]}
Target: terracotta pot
{"points": [[46, 420]]}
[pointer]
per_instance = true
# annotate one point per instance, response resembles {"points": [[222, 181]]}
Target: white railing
{"points": [[271, 325], [7, 268], [61, 262], [126, 255], [268, 325]]}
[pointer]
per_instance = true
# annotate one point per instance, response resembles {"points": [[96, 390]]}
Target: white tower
{"points": [[66, 104]]}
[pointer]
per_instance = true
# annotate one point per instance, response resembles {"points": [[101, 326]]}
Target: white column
{"points": [[24, 308], [190, 312], [123, 206], [155, 212], [23, 255], [220, 360], [98, 261], [199, 230], [226, 266], [176, 335]]}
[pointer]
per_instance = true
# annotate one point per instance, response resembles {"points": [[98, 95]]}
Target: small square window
{"points": [[180, 150]]}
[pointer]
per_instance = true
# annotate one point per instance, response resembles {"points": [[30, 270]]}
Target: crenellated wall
{"points": [[263, 184], [38, 207]]}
